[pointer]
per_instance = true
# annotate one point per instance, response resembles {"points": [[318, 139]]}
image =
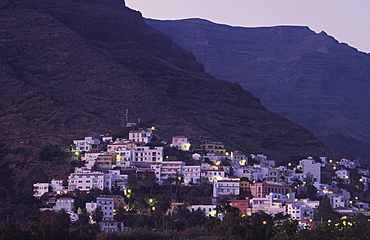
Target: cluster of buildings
{"points": [[249, 188]]}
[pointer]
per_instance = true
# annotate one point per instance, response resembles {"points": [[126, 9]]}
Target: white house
{"points": [[90, 156], [213, 175], [87, 144], [57, 186], [140, 136], [365, 180], [111, 226], [238, 157], [347, 163], [66, 203], [209, 210], [40, 189], [90, 207], [180, 142], [343, 174], [107, 139]]}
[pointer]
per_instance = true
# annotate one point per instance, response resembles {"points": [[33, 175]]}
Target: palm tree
{"points": [[169, 182], [149, 180], [182, 214], [160, 209], [131, 181]]}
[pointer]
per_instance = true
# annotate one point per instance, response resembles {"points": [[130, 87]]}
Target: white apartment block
{"points": [[180, 142], [106, 205], [271, 204], [302, 210], [310, 167], [85, 144], [140, 136], [125, 157], [226, 187], [191, 174], [166, 169], [148, 154], [85, 180], [338, 200]]}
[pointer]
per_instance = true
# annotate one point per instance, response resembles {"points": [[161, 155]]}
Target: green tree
{"points": [[53, 153], [149, 180], [51, 225], [325, 212], [286, 230], [181, 216], [97, 215], [120, 214]]}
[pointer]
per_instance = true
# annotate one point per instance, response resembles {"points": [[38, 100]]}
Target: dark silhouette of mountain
{"points": [[69, 69], [309, 78]]}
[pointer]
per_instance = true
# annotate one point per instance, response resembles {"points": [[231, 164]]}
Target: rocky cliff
{"points": [[310, 78]]}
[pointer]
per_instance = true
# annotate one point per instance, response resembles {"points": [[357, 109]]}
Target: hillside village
{"points": [[142, 166]]}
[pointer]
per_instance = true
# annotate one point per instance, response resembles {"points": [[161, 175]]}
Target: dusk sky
{"points": [[346, 20]]}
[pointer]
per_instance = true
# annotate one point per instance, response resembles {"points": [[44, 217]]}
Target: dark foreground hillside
{"points": [[309, 78], [68, 69]]}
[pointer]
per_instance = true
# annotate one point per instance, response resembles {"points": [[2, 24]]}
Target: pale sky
{"points": [[346, 20]]}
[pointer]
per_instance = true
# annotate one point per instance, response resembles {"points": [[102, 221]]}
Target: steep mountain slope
{"points": [[309, 78], [69, 69]]}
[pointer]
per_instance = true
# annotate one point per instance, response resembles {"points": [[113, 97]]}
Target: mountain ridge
{"points": [[308, 77]]}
